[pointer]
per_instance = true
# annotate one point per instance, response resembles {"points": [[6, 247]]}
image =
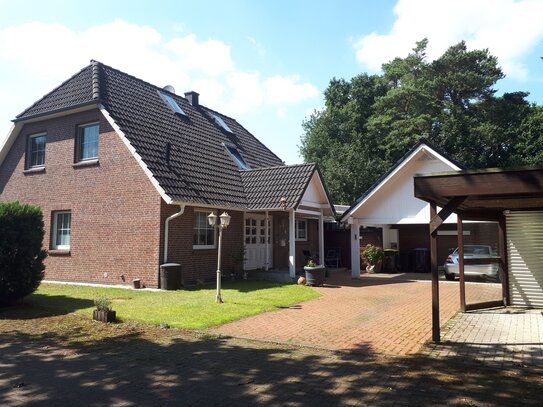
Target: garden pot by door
{"points": [[256, 240]]}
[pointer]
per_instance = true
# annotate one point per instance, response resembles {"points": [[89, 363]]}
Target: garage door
{"points": [[525, 257]]}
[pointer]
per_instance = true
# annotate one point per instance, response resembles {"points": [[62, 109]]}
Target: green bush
{"points": [[373, 254], [21, 253]]}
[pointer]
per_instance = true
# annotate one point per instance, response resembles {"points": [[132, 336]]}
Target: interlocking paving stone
{"points": [[375, 314]]}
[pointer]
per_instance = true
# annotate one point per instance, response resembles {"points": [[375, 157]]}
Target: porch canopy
{"points": [[483, 195], [297, 189]]}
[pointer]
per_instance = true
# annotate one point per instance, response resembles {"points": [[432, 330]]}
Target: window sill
{"points": [[34, 170], [203, 248], [86, 163], [59, 252]]}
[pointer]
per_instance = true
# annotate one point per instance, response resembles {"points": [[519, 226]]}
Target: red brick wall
{"points": [[199, 264], [115, 208], [311, 244]]}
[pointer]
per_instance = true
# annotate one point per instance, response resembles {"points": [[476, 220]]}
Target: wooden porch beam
{"points": [[461, 261], [435, 278], [484, 305], [437, 220], [506, 182]]}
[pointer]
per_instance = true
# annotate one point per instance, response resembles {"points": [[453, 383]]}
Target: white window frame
{"points": [[194, 227], [29, 151], [297, 229], [79, 142], [54, 242]]}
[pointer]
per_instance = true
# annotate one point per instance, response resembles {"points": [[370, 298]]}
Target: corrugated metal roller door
{"points": [[525, 257]]}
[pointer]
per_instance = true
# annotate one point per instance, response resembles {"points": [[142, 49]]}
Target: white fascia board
{"points": [[138, 158], [9, 140], [403, 164], [313, 204], [307, 212]]}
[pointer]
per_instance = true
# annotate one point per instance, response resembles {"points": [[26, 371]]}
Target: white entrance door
{"points": [[257, 243]]}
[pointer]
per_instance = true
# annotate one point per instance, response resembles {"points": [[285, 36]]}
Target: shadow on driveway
{"points": [[135, 365]]}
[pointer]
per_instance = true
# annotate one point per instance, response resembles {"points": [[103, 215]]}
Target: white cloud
{"points": [[210, 57], [45, 54], [508, 28], [281, 89], [246, 91]]}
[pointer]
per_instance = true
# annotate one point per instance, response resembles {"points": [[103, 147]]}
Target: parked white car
{"points": [[490, 271]]}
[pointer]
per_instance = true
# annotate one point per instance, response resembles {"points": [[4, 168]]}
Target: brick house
{"points": [[112, 159]]}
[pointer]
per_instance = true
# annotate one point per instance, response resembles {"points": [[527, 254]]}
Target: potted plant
{"points": [[314, 273], [103, 311], [238, 258], [373, 257]]}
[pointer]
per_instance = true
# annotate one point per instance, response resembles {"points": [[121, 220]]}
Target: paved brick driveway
{"points": [[386, 314]]}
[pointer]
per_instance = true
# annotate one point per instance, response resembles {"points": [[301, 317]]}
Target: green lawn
{"points": [[191, 308]]}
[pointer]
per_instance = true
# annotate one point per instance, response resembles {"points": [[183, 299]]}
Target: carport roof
{"points": [[483, 194]]}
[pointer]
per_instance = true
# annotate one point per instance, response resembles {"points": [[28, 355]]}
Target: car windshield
{"points": [[476, 250]]}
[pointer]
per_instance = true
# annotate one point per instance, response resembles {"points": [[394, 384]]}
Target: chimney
{"points": [[192, 97]]}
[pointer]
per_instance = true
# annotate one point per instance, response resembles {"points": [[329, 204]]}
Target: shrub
{"points": [[21, 253], [102, 303], [373, 254]]}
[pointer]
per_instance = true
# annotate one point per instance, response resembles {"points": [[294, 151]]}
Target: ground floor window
{"points": [[301, 229], [62, 221], [203, 233]]}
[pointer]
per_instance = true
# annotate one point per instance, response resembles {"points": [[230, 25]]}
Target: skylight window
{"points": [[236, 156], [173, 104], [221, 123]]}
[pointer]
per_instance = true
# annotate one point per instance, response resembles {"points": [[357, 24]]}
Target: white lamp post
{"points": [[225, 221]]}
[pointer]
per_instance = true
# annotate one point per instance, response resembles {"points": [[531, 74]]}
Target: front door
{"points": [[258, 243]]}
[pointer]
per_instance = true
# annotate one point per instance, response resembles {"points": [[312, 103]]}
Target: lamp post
{"points": [[225, 221]]}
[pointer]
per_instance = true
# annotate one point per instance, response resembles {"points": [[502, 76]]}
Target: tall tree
{"points": [[369, 122]]}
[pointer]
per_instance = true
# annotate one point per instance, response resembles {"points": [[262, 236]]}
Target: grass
{"points": [[190, 308]]}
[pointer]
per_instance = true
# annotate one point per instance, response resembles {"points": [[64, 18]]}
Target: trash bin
{"points": [[406, 262], [422, 260], [391, 261], [170, 276]]}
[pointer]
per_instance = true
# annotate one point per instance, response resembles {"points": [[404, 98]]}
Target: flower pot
{"points": [[374, 268], [315, 275], [104, 316]]}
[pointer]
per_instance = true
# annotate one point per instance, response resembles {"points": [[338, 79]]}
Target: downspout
{"points": [[167, 229]]}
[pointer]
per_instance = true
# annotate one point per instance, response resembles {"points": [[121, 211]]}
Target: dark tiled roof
{"points": [[77, 90], [266, 186], [396, 165], [199, 170]]}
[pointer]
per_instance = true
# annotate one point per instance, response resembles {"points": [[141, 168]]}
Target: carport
{"points": [[511, 197]]}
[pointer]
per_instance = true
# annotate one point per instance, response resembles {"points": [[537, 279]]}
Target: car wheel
{"points": [[449, 277]]}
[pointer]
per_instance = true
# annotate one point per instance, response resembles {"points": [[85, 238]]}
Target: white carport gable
{"points": [[390, 200]]}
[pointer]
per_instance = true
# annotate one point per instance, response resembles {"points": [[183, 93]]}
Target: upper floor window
{"points": [[236, 156], [36, 151], [61, 230], [172, 103], [87, 142], [218, 119]]}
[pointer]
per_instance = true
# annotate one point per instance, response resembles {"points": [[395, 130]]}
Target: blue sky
{"points": [[265, 63]]}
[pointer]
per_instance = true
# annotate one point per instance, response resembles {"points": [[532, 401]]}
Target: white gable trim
{"points": [[320, 184], [9, 140], [422, 148], [134, 153]]}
